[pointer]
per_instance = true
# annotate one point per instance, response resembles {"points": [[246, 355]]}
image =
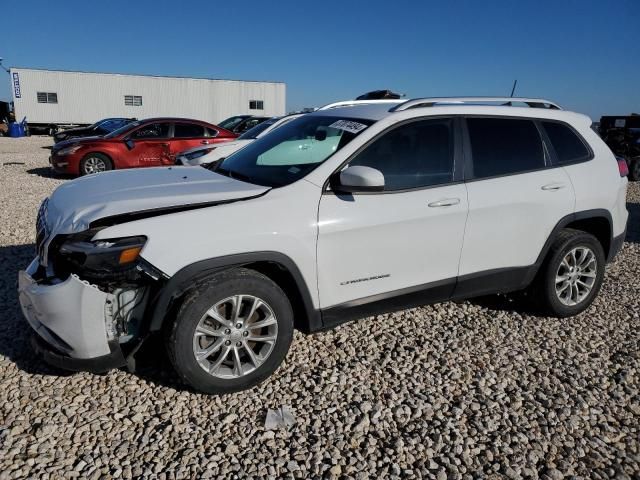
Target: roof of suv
{"points": [[520, 107]]}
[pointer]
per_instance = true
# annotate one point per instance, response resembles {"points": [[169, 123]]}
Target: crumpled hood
{"points": [[76, 204]]}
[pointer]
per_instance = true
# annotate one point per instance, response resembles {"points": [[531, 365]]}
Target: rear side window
{"points": [[188, 130], [416, 155], [504, 146], [568, 146]]}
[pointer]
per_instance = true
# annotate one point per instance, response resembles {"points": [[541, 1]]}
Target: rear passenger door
{"points": [[516, 197], [186, 136]]}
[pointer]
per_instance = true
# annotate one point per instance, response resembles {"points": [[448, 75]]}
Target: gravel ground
{"points": [[467, 390]]}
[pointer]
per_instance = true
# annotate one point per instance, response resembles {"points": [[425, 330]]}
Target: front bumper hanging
{"points": [[70, 320]]}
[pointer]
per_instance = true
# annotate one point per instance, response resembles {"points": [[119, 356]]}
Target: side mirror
{"points": [[358, 179], [129, 143]]}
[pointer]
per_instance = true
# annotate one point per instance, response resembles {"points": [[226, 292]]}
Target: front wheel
{"points": [[572, 274], [231, 333], [95, 163]]}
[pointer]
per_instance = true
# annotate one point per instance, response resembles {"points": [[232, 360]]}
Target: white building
{"points": [[52, 97]]}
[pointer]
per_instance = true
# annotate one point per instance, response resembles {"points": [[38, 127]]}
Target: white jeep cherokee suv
{"points": [[339, 214]]}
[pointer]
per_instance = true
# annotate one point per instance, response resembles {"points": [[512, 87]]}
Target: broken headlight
{"points": [[102, 259]]}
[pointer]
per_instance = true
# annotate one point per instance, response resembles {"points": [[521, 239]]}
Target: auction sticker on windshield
{"points": [[348, 126]]}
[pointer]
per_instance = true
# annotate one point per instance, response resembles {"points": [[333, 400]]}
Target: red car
{"points": [[145, 143]]}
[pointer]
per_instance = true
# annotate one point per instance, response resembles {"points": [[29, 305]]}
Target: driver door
{"points": [[406, 239]]}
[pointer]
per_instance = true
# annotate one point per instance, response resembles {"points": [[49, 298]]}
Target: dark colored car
{"points": [[379, 95], [145, 143], [98, 129], [622, 135], [241, 123]]}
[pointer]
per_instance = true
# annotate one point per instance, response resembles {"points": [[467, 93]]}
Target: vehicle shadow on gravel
{"points": [[153, 365], [15, 333], [47, 172], [633, 225]]}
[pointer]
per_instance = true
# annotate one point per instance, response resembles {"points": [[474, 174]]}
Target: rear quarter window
{"points": [[569, 147]]}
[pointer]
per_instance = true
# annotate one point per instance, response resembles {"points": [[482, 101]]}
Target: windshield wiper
{"points": [[216, 167]]}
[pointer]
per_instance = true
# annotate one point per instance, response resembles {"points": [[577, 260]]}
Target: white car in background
{"points": [[202, 155]]}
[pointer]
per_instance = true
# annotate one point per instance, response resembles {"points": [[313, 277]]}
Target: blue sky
{"points": [[583, 54]]}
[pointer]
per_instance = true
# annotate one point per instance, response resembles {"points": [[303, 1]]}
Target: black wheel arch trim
{"points": [[182, 280], [567, 220]]}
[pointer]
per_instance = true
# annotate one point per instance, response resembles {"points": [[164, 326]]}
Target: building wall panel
{"points": [[87, 97]]}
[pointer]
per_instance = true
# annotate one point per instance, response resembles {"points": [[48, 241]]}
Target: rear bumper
{"points": [[70, 319]]}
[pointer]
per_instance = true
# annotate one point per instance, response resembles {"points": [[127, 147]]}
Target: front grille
{"points": [[41, 229]]}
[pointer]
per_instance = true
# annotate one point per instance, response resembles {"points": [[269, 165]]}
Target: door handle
{"points": [[164, 144], [553, 186], [205, 142], [304, 147], [445, 202]]}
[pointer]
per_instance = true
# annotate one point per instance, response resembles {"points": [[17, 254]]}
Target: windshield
{"points": [[291, 151], [110, 124], [257, 130], [232, 122], [123, 129]]}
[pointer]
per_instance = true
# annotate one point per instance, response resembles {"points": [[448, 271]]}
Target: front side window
{"points": [[567, 145], [188, 130], [504, 146], [151, 131], [47, 97], [416, 155], [291, 151]]}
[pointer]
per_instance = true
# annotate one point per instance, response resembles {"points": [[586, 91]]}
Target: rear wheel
{"points": [[231, 333], [571, 276], [95, 163]]}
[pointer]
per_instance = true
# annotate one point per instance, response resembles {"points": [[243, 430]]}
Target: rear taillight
{"points": [[622, 166]]}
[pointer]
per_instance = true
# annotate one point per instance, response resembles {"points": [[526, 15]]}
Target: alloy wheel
{"points": [[94, 165], [576, 276], [235, 336]]}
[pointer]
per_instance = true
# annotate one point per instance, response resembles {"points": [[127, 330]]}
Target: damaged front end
{"points": [[87, 304]]}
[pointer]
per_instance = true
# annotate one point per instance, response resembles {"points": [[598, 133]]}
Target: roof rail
{"points": [[350, 103], [503, 101]]}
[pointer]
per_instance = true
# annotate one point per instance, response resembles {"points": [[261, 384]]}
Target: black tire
{"points": [[87, 160], [180, 334], [543, 290], [634, 169]]}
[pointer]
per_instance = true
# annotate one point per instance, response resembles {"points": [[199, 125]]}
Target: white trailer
{"points": [[53, 98]]}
